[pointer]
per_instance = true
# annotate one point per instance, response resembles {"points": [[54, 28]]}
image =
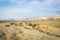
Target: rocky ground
{"points": [[30, 30]]}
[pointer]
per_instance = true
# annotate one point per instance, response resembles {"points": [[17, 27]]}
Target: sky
{"points": [[18, 9]]}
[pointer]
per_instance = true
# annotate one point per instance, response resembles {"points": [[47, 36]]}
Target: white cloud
{"points": [[18, 1], [33, 5], [52, 2], [17, 10], [15, 13], [2, 0], [35, 2], [24, 7]]}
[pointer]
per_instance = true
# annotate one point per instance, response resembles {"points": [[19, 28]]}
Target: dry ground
{"points": [[30, 30]]}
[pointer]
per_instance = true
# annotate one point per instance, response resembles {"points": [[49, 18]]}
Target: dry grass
{"points": [[28, 30]]}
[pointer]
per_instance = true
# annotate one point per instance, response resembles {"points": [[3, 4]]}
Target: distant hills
{"points": [[57, 17], [46, 18]]}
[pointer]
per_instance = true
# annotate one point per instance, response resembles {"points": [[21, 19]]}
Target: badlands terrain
{"points": [[31, 29]]}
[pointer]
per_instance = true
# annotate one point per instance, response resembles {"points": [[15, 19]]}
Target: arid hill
{"points": [[30, 30]]}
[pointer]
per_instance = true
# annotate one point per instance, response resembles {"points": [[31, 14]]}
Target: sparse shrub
{"points": [[2, 36], [21, 24], [7, 25], [13, 24], [57, 35], [30, 24], [16, 24], [34, 25]]}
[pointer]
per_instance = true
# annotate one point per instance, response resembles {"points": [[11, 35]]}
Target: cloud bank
{"points": [[28, 8]]}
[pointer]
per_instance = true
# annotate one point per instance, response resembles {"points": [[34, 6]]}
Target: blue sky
{"points": [[17, 9]]}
